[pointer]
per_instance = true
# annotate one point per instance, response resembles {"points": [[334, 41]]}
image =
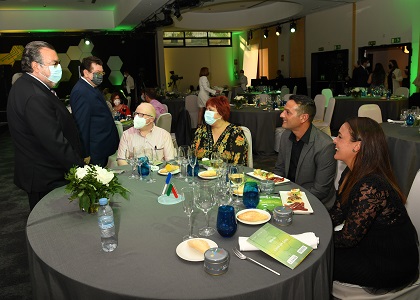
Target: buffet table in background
{"points": [[262, 124], [404, 150], [346, 107], [66, 261]]}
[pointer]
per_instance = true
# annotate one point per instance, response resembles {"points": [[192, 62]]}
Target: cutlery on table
{"points": [[240, 255]]}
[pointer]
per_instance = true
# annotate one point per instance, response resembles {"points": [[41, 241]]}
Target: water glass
{"points": [[204, 200], [187, 195], [251, 196], [182, 159], [226, 221]]}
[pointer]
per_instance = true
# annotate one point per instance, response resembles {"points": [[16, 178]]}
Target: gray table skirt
{"points": [[346, 107], [66, 261], [261, 123], [404, 150]]}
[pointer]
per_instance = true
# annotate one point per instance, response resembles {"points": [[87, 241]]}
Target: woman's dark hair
{"points": [[222, 105], [372, 158], [378, 75], [204, 71], [394, 63], [32, 52]]}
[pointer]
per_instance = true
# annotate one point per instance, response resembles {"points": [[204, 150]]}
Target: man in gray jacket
{"points": [[306, 154]]}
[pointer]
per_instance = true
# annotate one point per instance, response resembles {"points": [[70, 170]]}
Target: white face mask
{"points": [[139, 123], [117, 102], [209, 117], [142, 98]]}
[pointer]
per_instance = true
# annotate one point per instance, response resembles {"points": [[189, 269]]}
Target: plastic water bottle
{"points": [[107, 226]]}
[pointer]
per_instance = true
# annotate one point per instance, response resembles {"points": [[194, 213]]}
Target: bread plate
{"points": [[164, 172], [253, 222], [187, 253], [201, 175]]}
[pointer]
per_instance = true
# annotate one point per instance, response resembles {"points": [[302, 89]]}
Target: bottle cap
{"points": [[103, 201]]}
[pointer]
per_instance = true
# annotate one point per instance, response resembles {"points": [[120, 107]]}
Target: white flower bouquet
{"points": [[90, 183]]}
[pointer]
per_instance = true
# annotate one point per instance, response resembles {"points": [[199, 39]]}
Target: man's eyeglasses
{"points": [[99, 73], [141, 115], [54, 64]]}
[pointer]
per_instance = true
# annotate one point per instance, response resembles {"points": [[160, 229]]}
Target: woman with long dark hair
{"points": [[377, 248], [377, 79]]}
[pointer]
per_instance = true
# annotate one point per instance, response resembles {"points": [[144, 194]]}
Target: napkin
{"points": [[395, 121], [309, 238]]}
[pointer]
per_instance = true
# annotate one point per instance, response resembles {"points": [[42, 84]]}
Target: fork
{"points": [[240, 255]]}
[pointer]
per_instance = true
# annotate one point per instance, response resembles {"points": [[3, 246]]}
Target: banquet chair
{"points": [[320, 107], [295, 90], [284, 90], [328, 95], [402, 91], [112, 159], [372, 111], [164, 121], [191, 105], [286, 97], [277, 137], [325, 124], [248, 136]]}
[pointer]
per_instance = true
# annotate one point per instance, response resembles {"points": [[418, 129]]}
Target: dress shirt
{"points": [[157, 138], [160, 109], [297, 147]]}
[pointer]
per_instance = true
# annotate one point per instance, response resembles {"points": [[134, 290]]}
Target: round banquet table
{"points": [[346, 107], [66, 260], [404, 151], [261, 123]]}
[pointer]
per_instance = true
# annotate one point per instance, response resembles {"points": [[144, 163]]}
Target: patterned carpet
{"points": [[14, 211]]}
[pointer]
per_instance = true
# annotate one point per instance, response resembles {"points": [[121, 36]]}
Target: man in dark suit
{"points": [[44, 133], [306, 154], [361, 74], [97, 129]]}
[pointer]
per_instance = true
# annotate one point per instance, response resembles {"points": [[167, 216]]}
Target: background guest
{"points": [[144, 134], [361, 74], [377, 248], [218, 135], [97, 129], [243, 80], [129, 88], [306, 154], [44, 133], [279, 75], [204, 91], [149, 95], [118, 105], [378, 77], [394, 76]]}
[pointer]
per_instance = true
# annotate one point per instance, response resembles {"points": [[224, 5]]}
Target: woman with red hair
{"points": [[218, 135]]}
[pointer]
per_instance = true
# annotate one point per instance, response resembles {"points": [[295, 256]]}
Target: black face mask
{"points": [[390, 66]]}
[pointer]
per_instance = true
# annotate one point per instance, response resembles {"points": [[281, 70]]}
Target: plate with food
{"points": [[193, 249], [209, 174], [174, 169], [253, 216], [265, 175], [297, 201]]}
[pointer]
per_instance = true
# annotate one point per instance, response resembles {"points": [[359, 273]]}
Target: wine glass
{"points": [[236, 177], [216, 162], [148, 152], [131, 158], [205, 199], [192, 161], [187, 195], [182, 159]]}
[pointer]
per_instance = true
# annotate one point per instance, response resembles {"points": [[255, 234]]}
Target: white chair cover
{"points": [[284, 90], [320, 107], [248, 136], [325, 125], [372, 111], [165, 121], [191, 105], [286, 97], [402, 91], [295, 90], [277, 136]]}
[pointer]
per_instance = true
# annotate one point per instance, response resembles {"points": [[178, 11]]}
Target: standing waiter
{"points": [[44, 133]]}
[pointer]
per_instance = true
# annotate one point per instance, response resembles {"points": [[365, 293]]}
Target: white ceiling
{"points": [[109, 15]]}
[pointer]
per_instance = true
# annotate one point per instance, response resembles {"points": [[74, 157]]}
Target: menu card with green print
{"points": [[280, 245]]}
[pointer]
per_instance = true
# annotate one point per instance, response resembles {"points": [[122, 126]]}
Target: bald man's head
{"points": [[147, 109]]}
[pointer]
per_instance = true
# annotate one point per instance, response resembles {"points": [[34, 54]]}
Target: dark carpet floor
{"points": [[14, 211]]}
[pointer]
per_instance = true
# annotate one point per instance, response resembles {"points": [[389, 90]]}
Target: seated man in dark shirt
{"points": [[306, 154]]}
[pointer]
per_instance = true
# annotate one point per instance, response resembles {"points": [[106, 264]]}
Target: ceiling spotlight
{"points": [[278, 30], [265, 33], [293, 26], [87, 41], [167, 17], [177, 12]]}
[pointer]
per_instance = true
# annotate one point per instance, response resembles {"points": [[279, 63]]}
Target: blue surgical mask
{"points": [[209, 117], [55, 73]]}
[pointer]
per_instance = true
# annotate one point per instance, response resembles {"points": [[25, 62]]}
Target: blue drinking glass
{"points": [[143, 168], [409, 120], [251, 196], [226, 221]]}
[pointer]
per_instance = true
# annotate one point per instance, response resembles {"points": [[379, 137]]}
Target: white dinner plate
{"points": [[256, 222], [263, 178], [187, 253], [285, 194], [206, 177], [164, 172]]}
